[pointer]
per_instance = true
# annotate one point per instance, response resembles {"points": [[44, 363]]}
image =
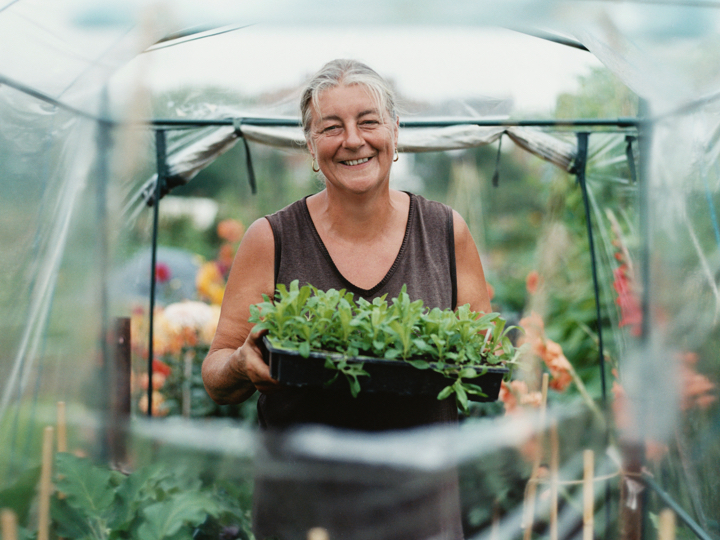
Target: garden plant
{"points": [[460, 344]]}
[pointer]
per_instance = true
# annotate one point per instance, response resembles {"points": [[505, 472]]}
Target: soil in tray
{"points": [[386, 376]]}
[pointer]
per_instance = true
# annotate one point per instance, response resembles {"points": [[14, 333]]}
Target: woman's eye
{"points": [[370, 123], [330, 129]]}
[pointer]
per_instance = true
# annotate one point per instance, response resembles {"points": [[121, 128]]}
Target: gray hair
{"points": [[345, 72]]}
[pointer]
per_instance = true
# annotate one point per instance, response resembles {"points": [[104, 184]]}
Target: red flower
{"points": [[162, 272], [161, 367], [630, 310]]}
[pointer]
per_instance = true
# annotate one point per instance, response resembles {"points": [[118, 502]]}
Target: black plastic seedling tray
{"points": [[386, 376]]}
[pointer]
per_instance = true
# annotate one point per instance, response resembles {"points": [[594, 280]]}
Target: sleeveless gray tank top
{"points": [[425, 263]]}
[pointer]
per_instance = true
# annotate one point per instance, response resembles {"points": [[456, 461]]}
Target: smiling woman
{"points": [[359, 235], [352, 139]]}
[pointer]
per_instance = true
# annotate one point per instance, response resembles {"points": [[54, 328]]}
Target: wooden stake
{"points": [[61, 427], [588, 494], [495, 527], [9, 524], [187, 383], [529, 505], [45, 485], [630, 511], [554, 479], [666, 525], [318, 533]]}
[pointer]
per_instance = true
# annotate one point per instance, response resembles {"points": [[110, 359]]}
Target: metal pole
{"points": [[171, 123], [580, 168], [682, 514], [160, 152], [103, 148]]}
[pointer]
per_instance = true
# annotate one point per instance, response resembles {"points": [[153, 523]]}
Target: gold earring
{"points": [[397, 156], [313, 166]]}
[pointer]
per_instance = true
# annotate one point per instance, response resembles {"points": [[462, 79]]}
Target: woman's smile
{"points": [[354, 162], [353, 139]]}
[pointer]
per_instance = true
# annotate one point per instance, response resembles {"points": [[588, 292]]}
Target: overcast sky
{"points": [[426, 63]]}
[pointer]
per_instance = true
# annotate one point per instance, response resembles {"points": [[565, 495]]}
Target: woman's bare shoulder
{"points": [[259, 234]]}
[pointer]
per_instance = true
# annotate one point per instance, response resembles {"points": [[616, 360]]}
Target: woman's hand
{"points": [[250, 366], [233, 375]]}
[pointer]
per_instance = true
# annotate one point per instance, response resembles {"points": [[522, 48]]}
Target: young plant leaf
{"points": [[446, 392], [165, 518], [87, 488], [419, 364]]}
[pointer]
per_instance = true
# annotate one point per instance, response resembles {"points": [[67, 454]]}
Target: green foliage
{"points": [[153, 502], [452, 343], [19, 496], [601, 95]]}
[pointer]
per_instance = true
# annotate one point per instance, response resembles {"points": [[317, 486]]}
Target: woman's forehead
{"points": [[343, 100]]}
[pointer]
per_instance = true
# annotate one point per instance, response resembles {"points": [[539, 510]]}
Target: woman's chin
{"points": [[360, 186]]}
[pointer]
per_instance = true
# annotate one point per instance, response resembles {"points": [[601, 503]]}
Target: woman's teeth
{"points": [[356, 161]]}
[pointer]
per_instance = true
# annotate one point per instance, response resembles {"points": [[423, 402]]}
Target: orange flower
{"points": [[158, 381], [558, 365], [508, 397], [532, 282], [697, 390], [516, 395], [210, 283], [159, 407], [231, 230], [550, 352]]}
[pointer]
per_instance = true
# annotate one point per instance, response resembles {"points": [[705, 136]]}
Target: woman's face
{"points": [[352, 139]]}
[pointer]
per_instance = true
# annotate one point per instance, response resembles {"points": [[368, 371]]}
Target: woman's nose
{"points": [[353, 138]]}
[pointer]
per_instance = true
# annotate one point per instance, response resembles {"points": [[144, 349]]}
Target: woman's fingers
{"points": [[255, 367]]}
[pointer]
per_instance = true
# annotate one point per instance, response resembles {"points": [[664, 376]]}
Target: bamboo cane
{"points": [[666, 525], [61, 433], [9, 524], [588, 494], [554, 477], [529, 506], [61, 427], [45, 485]]}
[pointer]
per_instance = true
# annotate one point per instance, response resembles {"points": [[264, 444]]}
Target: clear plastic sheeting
{"points": [[192, 152], [612, 417]]}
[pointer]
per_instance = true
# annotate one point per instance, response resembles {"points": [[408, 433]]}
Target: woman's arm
{"points": [[471, 286], [234, 368]]}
